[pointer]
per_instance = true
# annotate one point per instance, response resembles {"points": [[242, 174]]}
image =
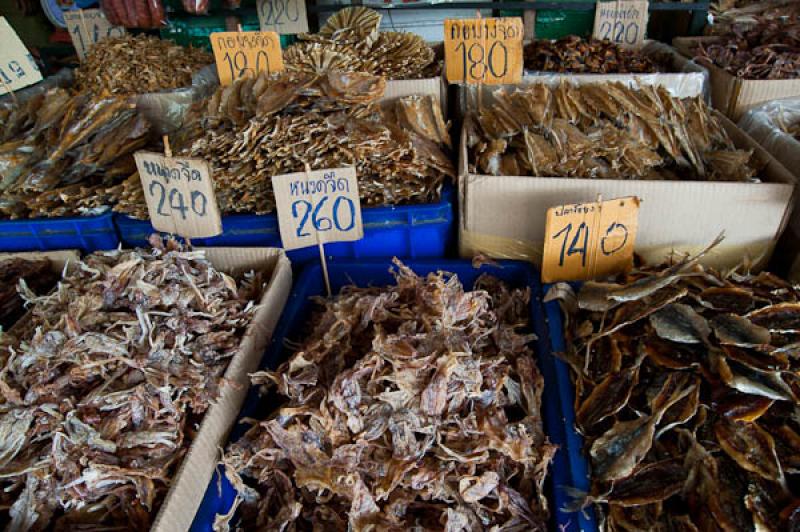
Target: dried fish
{"points": [[602, 131], [574, 54], [257, 128], [708, 435], [411, 406], [105, 379]]}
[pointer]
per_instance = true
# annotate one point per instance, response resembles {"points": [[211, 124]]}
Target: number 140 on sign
{"points": [[589, 240]]}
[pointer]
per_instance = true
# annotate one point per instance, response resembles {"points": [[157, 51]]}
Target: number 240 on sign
{"points": [[589, 240]]}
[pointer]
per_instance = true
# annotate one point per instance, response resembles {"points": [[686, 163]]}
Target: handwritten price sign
{"points": [[180, 195], [621, 21], [242, 54], [319, 206], [87, 27], [483, 50], [282, 16], [589, 240], [17, 67]]}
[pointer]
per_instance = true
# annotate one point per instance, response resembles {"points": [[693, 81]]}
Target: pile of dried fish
{"points": [[103, 387], [138, 64], [415, 406], [605, 131], [350, 42], [586, 56], [38, 277], [59, 152], [687, 393], [728, 14], [768, 49], [260, 127]]}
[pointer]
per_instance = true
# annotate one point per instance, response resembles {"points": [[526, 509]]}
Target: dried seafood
{"points": [[103, 386], [145, 14], [586, 56], [59, 152], [38, 277], [350, 42], [138, 64], [730, 14], [769, 49], [605, 131], [415, 406], [270, 125], [687, 396]]}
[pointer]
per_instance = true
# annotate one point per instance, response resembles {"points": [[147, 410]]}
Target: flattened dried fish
{"points": [[680, 323], [738, 330]]}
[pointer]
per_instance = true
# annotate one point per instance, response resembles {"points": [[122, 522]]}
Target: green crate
{"points": [[192, 30], [555, 23]]}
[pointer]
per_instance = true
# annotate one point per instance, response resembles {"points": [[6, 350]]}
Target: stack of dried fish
{"points": [[350, 42], [581, 56], [59, 152], [134, 65], [605, 131], [260, 127], [38, 276], [412, 407], [687, 391], [103, 387], [767, 49]]}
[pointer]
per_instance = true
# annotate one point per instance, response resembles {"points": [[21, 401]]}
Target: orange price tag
{"points": [[483, 50], [589, 240], [241, 54]]}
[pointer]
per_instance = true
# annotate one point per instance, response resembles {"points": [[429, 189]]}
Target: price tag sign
{"points": [[483, 50], [241, 54], [623, 22], [589, 240], [17, 67], [282, 16], [88, 26], [180, 195], [319, 206]]}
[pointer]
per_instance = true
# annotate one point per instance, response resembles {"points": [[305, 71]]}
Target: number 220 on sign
{"points": [[589, 240]]}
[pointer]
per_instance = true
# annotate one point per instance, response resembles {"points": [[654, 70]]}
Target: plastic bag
{"points": [[768, 124], [145, 14], [196, 7]]}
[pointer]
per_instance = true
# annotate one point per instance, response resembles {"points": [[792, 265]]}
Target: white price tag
{"points": [[88, 26], [623, 22], [180, 195], [17, 67], [316, 207], [283, 16]]}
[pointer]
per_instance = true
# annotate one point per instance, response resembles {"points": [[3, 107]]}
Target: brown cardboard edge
{"points": [[58, 258], [196, 469]]}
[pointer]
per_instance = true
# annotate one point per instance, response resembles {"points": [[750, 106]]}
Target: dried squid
{"points": [[586, 56], [38, 276], [260, 127], [103, 383], [687, 388], [410, 407], [350, 42], [602, 131]]}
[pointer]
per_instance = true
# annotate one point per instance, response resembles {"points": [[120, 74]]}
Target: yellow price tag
{"points": [[483, 50], [241, 54], [589, 240]]}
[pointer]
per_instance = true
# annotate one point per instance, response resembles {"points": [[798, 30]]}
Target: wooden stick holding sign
{"points": [[589, 240], [180, 194], [316, 207]]}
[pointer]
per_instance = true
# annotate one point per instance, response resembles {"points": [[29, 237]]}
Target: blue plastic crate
{"points": [[578, 466], [220, 494], [86, 233], [405, 231]]}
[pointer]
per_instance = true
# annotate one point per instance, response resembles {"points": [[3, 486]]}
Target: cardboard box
{"points": [[504, 216], [436, 87], [731, 95], [194, 473]]}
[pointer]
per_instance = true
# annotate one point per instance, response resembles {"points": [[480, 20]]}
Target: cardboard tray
{"points": [[220, 494], [731, 95], [504, 216]]}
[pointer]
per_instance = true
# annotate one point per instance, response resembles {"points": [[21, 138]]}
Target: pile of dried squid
{"points": [[586, 56], [38, 276], [414, 406], [687, 394], [103, 383], [63, 150], [349, 41], [275, 124], [603, 131]]}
